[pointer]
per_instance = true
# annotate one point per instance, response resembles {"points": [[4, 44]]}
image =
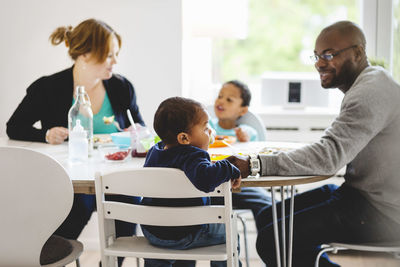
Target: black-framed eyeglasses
{"points": [[329, 56]]}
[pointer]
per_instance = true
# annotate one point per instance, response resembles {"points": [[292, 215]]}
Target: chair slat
{"points": [[166, 216], [123, 182], [139, 247]]}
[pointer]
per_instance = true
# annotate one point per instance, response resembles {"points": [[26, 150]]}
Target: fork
{"points": [[117, 126]]}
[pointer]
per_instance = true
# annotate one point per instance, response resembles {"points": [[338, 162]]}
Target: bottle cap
{"points": [[80, 89]]}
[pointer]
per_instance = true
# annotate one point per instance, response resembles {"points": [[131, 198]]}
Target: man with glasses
{"points": [[365, 136]]}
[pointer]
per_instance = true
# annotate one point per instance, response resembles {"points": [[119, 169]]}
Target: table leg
{"points": [[291, 218], [285, 260], [275, 222]]}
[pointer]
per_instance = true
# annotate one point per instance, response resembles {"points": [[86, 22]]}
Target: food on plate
{"points": [[108, 120], [101, 139], [273, 150], [221, 140], [120, 155], [111, 152], [216, 157]]}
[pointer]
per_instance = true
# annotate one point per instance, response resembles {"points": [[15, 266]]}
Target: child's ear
{"points": [[243, 110], [183, 138]]}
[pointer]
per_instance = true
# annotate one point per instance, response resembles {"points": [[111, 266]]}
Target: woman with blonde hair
{"points": [[93, 46]]}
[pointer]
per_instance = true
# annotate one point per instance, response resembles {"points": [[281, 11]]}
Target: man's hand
{"points": [[235, 184], [57, 135], [241, 135], [242, 163]]}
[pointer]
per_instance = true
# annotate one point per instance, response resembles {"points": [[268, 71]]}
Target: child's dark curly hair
{"points": [[176, 115]]}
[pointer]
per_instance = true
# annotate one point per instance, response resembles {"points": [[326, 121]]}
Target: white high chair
{"points": [[160, 183]]}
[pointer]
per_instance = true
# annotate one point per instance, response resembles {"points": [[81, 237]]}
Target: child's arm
{"points": [[205, 175], [242, 135]]}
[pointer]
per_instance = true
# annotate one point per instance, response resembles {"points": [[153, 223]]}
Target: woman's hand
{"points": [[235, 184], [56, 135], [241, 135]]}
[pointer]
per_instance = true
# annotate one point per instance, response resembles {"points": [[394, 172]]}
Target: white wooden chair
{"points": [[36, 196], [162, 183], [388, 247]]}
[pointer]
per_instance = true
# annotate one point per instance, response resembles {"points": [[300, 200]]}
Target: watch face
{"points": [[255, 164]]}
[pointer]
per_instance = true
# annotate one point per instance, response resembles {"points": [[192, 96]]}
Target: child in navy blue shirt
{"points": [[182, 125]]}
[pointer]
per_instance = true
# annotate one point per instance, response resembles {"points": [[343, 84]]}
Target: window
{"points": [[396, 40], [281, 36]]}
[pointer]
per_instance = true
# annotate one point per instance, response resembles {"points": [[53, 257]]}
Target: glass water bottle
{"points": [[81, 110]]}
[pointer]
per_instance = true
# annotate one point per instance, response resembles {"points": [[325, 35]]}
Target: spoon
{"points": [[235, 152], [110, 120], [130, 118]]}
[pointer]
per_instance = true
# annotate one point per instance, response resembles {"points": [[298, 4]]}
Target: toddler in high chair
{"points": [[233, 102], [182, 125]]}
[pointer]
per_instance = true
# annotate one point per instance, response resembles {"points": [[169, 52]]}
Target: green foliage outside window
{"points": [[281, 37]]}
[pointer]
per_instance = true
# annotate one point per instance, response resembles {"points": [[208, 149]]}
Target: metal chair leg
{"points": [[322, 251], [137, 262], [78, 264], [246, 248]]}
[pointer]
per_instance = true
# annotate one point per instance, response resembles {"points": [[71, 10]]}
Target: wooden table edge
{"points": [[268, 181], [87, 187], [84, 187]]}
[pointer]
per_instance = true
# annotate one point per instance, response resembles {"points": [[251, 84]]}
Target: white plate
{"points": [[101, 139]]}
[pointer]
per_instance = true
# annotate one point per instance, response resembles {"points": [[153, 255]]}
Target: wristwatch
{"points": [[254, 165]]}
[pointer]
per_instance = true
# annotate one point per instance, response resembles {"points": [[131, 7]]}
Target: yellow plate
{"points": [[216, 157], [219, 138]]}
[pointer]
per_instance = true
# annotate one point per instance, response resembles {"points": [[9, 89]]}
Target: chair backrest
{"points": [[36, 196], [251, 119], [157, 183]]}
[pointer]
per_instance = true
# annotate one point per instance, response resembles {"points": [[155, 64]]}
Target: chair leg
{"points": [[322, 251], [137, 262], [78, 264], [246, 247]]}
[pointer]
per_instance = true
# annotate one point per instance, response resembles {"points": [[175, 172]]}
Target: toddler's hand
{"points": [[241, 135], [235, 184]]}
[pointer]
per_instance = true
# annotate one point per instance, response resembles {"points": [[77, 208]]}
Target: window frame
{"points": [[378, 29]]}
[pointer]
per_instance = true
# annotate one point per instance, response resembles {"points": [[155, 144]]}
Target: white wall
{"points": [[150, 58]]}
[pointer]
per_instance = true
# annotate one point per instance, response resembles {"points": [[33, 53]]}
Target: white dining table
{"points": [[83, 175]]}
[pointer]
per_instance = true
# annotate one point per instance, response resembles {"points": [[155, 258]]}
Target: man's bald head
{"points": [[345, 42], [347, 30]]}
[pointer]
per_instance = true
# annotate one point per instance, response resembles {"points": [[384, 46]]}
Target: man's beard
{"points": [[344, 78]]}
